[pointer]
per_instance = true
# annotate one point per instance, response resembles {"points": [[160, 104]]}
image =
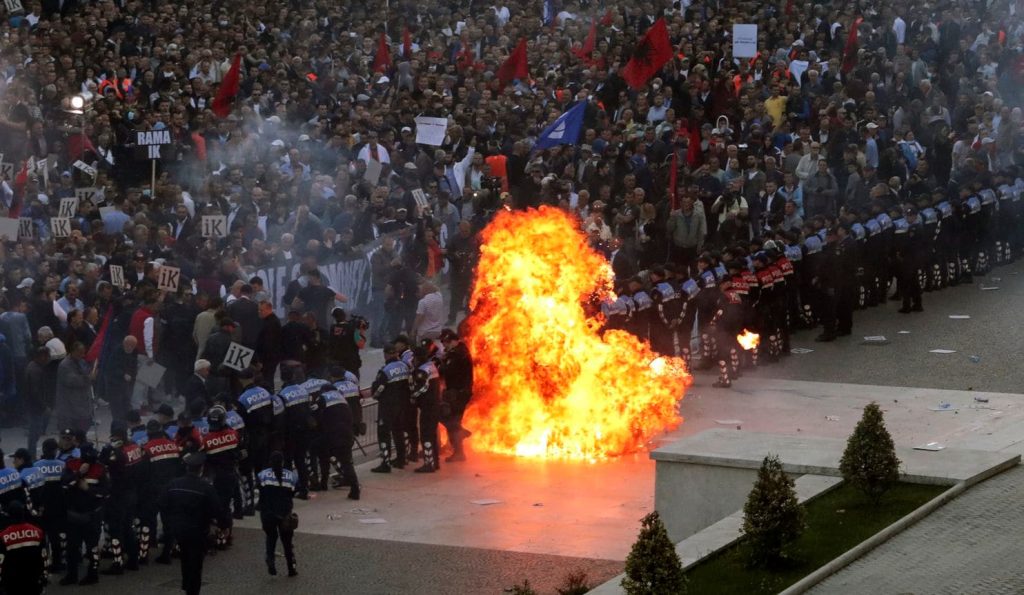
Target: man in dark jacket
{"points": [[245, 312], [37, 395], [188, 507], [196, 386], [268, 345]]}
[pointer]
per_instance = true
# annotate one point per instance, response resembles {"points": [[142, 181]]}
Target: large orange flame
{"points": [[548, 383]]}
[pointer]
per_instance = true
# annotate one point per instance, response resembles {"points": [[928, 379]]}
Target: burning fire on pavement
{"points": [[748, 340], [548, 383]]}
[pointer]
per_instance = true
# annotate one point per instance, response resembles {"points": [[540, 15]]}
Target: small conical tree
{"points": [[772, 516], [869, 461], [653, 566]]}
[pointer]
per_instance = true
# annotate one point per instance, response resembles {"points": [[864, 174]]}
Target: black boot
{"points": [[354, 493], [271, 568]]}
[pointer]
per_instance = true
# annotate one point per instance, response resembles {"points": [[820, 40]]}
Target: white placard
{"points": [[60, 227], [117, 275], [373, 169], [7, 171], [169, 279], [744, 41], [238, 357], [215, 226], [431, 131], [797, 68], [13, 6], [68, 207], [148, 138], [26, 229], [10, 228], [84, 168], [421, 198], [149, 374], [88, 193]]}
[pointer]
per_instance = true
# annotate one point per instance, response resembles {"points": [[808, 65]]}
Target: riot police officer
{"points": [[51, 503], [126, 466], [317, 447], [188, 506], [277, 486], [220, 445], [298, 423], [164, 459], [456, 369], [32, 480], [255, 405], [409, 435], [909, 257], [426, 395], [86, 486], [667, 304], [391, 389], [23, 545], [339, 428]]}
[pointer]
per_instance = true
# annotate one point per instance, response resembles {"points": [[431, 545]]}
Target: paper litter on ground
{"points": [[832, 417], [958, 317], [942, 351], [801, 350], [728, 422], [372, 521], [903, 333], [989, 288], [875, 338], [943, 406], [485, 502], [932, 446]]}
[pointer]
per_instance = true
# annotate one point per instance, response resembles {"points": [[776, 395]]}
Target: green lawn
{"points": [[836, 522]]}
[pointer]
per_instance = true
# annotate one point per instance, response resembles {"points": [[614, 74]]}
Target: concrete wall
{"points": [[690, 498]]}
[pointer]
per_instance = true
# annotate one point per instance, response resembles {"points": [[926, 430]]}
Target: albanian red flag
{"points": [[20, 180], [406, 43], [653, 51], [97, 344], [225, 99], [850, 51], [516, 66], [588, 44], [608, 18], [382, 61]]}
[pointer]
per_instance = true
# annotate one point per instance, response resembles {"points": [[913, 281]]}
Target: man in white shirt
{"points": [[430, 314], [372, 150]]}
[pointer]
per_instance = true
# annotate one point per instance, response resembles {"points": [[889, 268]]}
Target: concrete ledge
{"points": [[802, 455], [727, 531]]}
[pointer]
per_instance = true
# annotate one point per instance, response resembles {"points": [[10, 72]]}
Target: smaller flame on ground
{"points": [[748, 340]]}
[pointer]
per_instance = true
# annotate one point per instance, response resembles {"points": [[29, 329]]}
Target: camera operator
{"points": [[732, 213], [346, 338]]}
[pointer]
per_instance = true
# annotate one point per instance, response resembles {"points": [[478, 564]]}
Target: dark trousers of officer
{"points": [[389, 429], [828, 298], [340, 452], [193, 552], [910, 286], [411, 429], [225, 483], [455, 401], [272, 529], [119, 513], [148, 511], [84, 531], [297, 448], [430, 417], [663, 339], [844, 310], [55, 527]]}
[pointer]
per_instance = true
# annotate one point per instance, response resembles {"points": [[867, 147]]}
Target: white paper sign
{"points": [[744, 41], [169, 278], [797, 68], [88, 193], [26, 230], [9, 228], [431, 131], [7, 171], [238, 357], [373, 169], [106, 210], [60, 227], [68, 207], [215, 226], [117, 275], [13, 6], [85, 168], [421, 198], [150, 374]]}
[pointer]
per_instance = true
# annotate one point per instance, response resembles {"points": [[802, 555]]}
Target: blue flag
{"points": [[563, 131], [549, 12]]}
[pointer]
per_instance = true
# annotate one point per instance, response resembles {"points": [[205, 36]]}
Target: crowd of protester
{"points": [[869, 150]]}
